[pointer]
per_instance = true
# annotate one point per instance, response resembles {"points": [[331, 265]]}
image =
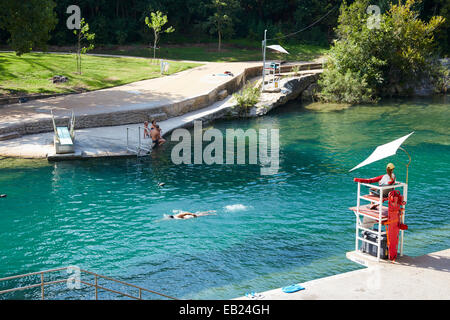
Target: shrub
{"points": [[441, 78], [351, 87], [247, 98], [390, 59]]}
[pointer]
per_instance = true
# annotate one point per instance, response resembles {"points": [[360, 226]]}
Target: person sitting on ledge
{"points": [[153, 126], [156, 136]]}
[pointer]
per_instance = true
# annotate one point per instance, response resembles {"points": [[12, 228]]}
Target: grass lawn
{"points": [[231, 52], [31, 73]]}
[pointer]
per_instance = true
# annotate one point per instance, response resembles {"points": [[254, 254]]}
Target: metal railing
{"points": [[137, 145], [42, 284]]}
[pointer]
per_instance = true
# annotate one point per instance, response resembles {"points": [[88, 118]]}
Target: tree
{"points": [[442, 8], [392, 58], [28, 23], [83, 35], [223, 18], [156, 22]]}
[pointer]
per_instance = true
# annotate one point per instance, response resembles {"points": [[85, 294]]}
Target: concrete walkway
{"points": [[104, 141], [106, 114], [426, 277], [141, 95]]}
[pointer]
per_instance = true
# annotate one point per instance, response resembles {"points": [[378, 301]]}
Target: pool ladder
{"points": [[138, 146]]}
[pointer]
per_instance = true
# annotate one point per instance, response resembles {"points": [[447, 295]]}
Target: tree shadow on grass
{"points": [[4, 72], [33, 63]]}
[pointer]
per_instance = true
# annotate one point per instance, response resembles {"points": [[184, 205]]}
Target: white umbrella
{"points": [[278, 48], [384, 151]]}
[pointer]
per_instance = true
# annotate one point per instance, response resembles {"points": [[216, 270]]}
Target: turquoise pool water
{"points": [[107, 216]]}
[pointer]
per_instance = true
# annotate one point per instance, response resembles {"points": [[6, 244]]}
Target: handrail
{"points": [[384, 187], [32, 274], [126, 283], [136, 146], [42, 284]]}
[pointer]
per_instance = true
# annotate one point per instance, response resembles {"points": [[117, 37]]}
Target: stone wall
{"points": [[290, 88]]}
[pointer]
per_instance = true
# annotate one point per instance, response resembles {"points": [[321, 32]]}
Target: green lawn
{"points": [[231, 52], [32, 73]]}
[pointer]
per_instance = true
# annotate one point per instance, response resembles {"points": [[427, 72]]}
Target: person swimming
{"points": [[189, 215]]}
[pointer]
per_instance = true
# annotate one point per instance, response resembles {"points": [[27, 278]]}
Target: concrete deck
{"points": [[175, 93], [410, 278], [106, 140], [103, 141]]}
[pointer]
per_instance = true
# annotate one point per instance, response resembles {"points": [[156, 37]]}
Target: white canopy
{"points": [[278, 48], [383, 151]]}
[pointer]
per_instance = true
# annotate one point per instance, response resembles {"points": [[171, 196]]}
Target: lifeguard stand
{"points": [[272, 75], [271, 69], [378, 216]]}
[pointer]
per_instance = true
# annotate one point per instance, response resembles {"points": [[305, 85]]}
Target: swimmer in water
{"points": [[188, 215]]}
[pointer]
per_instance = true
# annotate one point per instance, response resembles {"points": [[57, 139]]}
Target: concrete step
{"points": [[66, 156], [9, 136], [158, 116], [301, 66]]}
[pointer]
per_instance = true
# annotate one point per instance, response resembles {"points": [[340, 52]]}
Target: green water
{"points": [[107, 216]]}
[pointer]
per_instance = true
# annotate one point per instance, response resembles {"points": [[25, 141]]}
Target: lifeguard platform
{"points": [[272, 77], [371, 215]]}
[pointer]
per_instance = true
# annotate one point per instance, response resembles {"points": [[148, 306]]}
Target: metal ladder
{"points": [[138, 145]]}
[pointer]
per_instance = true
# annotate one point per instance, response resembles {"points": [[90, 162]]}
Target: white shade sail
{"points": [[278, 48], [383, 151]]}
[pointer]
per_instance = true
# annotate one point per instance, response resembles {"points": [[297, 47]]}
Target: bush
{"points": [[247, 98], [391, 59], [441, 78], [351, 87], [295, 70]]}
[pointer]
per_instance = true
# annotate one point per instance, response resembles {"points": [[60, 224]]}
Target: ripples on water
{"points": [[108, 215]]}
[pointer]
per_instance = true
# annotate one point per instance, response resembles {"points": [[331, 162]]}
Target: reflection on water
{"points": [[270, 231]]}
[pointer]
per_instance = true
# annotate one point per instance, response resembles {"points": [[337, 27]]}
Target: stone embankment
{"points": [[291, 88], [41, 122], [131, 116], [104, 134]]}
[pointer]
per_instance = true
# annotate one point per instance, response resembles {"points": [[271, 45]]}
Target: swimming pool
{"points": [[107, 215]]}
